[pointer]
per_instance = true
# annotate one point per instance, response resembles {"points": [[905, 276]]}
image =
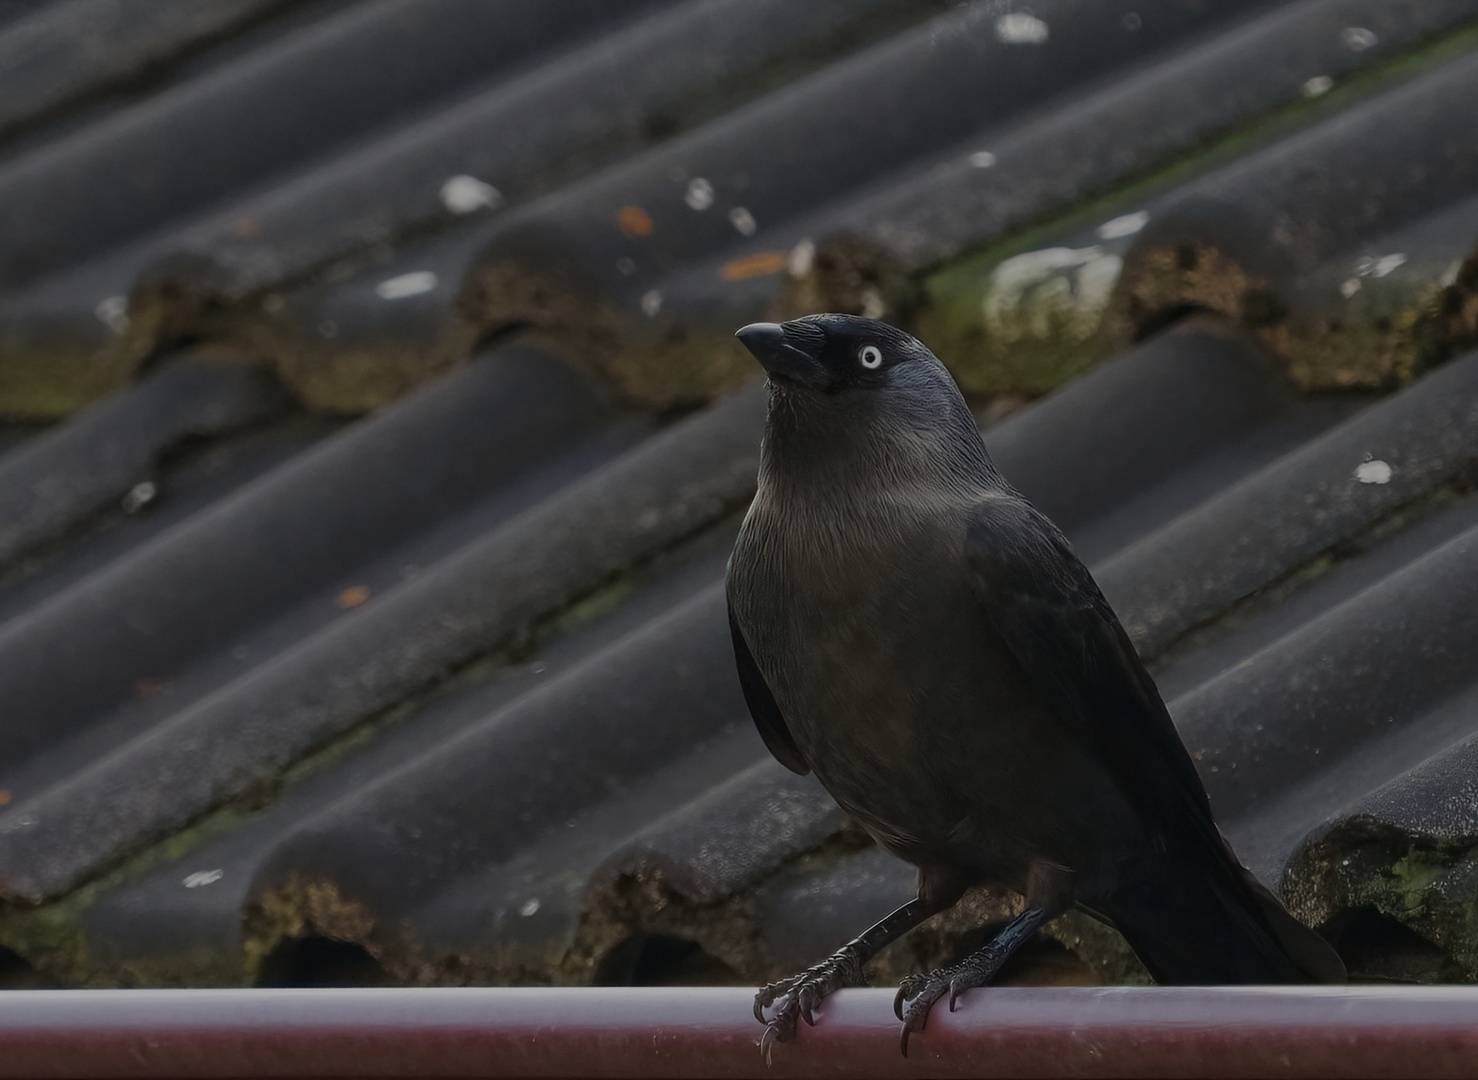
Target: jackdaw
{"points": [[911, 629]]}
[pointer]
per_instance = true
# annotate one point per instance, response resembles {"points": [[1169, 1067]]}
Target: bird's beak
{"points": [[783, 354]]}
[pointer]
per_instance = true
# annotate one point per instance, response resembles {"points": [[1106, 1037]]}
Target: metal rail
{"points": [[669, 1033]]}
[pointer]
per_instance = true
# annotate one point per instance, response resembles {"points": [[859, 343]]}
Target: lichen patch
{"points": [[304, 907]]}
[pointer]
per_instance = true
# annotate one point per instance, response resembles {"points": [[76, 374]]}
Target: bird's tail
{"points": [[1207, 921]]}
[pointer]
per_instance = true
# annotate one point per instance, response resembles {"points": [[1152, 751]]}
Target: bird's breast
{"points": [[903, 696], [879, 658]]}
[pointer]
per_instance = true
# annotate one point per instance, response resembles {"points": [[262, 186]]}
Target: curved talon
{"points": [[799, 997], [909, 988], [955, 990], [922, 992], [781, 1027], [807, 998], [768, 1041], [921, 1014], [916, 1020]]}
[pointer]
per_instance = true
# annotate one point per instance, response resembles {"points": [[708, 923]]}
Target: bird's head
{"points": [[829, 354], [838, 381]]}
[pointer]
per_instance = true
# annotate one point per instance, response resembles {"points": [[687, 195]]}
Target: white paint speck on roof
{"points": [[1019, 28], [982, 159], [1124, 225], [1318, 86], [413, 284], [140, 496], [802, 256], [112, 312], [1378, 266], [699, 195], [651, 302], [743, 221], [463, 194], [1386, 263], [203, 877], [1357, 38], [1373, 472]]}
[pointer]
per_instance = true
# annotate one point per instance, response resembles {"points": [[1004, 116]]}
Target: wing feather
{"points": [[1052, 617], [762, 705]]}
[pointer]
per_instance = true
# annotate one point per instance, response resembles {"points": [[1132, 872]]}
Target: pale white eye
{"points": [[870, 356]]}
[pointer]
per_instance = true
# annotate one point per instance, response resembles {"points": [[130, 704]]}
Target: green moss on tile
{"points": [[54, 939], [46, 382], [1002, 336], [1031, 325], [1425, 885]]}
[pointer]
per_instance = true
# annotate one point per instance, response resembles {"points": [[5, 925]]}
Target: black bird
{"points": [[911, 629]]}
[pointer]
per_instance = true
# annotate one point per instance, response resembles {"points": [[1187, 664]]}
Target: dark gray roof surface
{"points": [[376, 439]]}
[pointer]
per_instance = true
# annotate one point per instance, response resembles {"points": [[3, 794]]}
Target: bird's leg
{"points": [[797, 997], [920, 992]]}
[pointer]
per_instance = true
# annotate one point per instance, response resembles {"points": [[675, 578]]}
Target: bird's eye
{"points": [[870, 356]]}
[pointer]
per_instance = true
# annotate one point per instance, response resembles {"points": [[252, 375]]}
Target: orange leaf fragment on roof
{"points": [[353, 596], [758, 264], [634, 221]]}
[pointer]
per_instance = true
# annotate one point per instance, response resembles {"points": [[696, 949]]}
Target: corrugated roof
{"points": [[377, 440]]}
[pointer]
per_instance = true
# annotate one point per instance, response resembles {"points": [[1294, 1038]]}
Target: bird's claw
{"points": [[774, 1032], [780, 1027], [765, 997], [920, 992], [956, 988], [798, 997], [808, 999], [911, 986]]}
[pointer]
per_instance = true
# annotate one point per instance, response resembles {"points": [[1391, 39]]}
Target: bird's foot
{"points": [[798, 997], [918, 993]]}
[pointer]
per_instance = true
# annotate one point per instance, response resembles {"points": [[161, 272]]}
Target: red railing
{"points": [[668, 1033]]}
